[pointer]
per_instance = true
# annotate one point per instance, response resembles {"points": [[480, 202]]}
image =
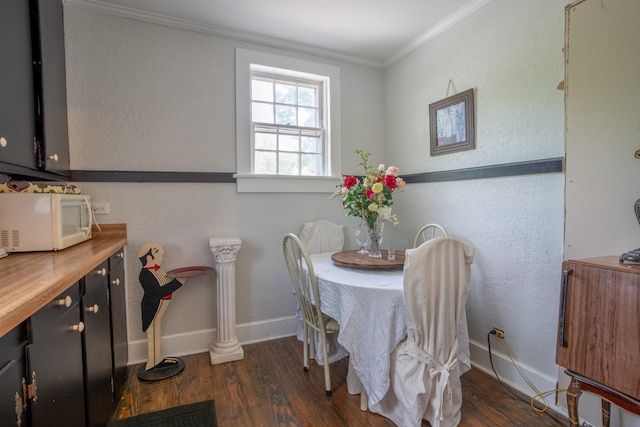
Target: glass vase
{"points": [[375, 238]]}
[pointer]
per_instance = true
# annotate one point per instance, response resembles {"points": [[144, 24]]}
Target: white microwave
{"points": [[43, 221]]}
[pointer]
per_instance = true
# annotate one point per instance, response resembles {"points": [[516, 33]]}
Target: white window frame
{"points": [[246, 180]]}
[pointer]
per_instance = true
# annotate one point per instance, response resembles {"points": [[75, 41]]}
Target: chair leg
{"points": [[305, 351], [312, 343], [327, 374]]}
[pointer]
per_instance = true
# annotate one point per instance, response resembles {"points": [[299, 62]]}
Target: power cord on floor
{"points": [[537, 394]]}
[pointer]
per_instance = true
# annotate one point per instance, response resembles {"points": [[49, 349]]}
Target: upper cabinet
{"points": [[33, 97], [17, 125], [50, 83]]}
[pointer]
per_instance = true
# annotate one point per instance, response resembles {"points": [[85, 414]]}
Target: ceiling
{"points": [[376, 32]]}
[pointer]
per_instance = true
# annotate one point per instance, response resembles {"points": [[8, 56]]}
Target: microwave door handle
{"points": [[87, 232]]}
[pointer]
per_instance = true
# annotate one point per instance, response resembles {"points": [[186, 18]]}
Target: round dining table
{"points": [[368, 303]]}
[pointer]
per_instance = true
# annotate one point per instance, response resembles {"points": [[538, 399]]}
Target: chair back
{"points": [[304, 281], [437, 278], [428, 232], [322, 236]]}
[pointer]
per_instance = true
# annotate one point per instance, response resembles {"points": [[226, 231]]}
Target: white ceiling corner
{"points": [[375, 33]]}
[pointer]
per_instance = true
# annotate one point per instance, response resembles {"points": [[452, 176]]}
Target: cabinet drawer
{"points": [[96, 276], [116, 258]]}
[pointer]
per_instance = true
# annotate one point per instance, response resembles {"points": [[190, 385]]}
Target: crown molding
{"points": [[451, 20], [154, 18]]}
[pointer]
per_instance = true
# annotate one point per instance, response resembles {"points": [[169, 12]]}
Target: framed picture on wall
{"points": [[451, 124]]}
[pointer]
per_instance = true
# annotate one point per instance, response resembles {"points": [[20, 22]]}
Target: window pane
{"points": [[286, 93], [266, 141], [262, 90], [307, 117], [289, 142], [289, 164], [288, 137], [310, 144], [265, 162], [311, 164], [285, 115], [307, 96], [262, 113]]}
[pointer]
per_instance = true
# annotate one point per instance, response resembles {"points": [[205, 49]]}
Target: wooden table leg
{"points": [[606, 412], [573, 394]]}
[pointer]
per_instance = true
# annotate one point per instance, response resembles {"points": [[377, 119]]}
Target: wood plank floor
{"points": [[269, 388]]}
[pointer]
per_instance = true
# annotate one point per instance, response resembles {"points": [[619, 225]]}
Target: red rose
{"points": [[390, 181], [370, 194], [350, 181]]}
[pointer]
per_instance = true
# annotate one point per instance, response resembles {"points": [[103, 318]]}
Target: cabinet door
{"points": [[16, 86], [97, 348], [601, 335], [12, 371], [118, 308], [55, 358], [51, 86]]}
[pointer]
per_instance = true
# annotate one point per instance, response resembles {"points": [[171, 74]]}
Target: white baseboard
{"points": [[199, 341]]}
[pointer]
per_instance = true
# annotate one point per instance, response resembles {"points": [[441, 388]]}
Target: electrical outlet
{"points": [[100, 208], [499, 333]]}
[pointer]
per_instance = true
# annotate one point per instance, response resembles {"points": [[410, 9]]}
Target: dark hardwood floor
{"points": [[270, 388]]}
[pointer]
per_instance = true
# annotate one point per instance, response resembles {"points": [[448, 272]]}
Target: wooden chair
{"points": [[305, 283], [428, 232]]}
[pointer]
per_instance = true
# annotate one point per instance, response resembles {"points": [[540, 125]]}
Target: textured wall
{"points": [[511, 54], [147, 97]]}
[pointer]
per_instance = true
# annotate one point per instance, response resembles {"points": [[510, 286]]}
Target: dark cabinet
{"points": [[12, 370], [33, 96], [54, 358], [118, 308], [50, 84], [17, 126], [99, 396], [66, 365]]}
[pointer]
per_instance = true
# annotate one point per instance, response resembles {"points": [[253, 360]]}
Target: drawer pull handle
{"points": [[116, 282], [79, 327], [563, 308], [66, 301], [53, 157], [3, 142], [120, 255], [93, 309], [101, 272]]}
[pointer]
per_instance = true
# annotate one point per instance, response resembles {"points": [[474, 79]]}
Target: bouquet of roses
{"points": [[371, 196]]}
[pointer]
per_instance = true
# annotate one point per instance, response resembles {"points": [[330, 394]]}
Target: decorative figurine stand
{"points": [[158, 289], [226, 347]]}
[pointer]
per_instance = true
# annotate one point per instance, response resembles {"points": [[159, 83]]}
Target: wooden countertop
{"points": [[29, 280]]}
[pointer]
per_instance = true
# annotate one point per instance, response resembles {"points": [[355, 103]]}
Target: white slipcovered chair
{"points": [[322, 236], [425, 369], [428, 232], [306, 286]]}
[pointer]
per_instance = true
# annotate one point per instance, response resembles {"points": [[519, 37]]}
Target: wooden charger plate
{"points": [[353, 259]]}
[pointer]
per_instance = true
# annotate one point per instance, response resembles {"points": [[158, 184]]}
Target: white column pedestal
{"points": [[226, 347]]}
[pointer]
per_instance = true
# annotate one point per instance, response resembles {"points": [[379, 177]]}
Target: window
{"points": [[287, 124]]}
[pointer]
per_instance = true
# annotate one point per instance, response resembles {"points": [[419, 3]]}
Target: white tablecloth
{"points": [[369, 306]]}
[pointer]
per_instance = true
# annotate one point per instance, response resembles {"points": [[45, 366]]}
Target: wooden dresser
{"points": [[599, 332]]}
